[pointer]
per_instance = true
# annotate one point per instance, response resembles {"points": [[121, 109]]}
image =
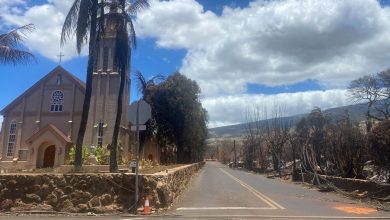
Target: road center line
{"points": [[258, 194]]}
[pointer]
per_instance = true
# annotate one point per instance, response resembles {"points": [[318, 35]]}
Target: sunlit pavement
{"points": [[219, 192], [222, 192]]}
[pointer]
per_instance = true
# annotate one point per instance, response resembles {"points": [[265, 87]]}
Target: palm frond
{"points": [[15, 36], [141, 82], [133, 36], [143, 85], [132, 10], [136, 6], [83, 24], [14, 56], [101, 24], [70, 22], [8, 42], [122, 55], [156, 79]]}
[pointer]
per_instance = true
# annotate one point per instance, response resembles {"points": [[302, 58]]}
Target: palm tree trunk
{"points": [[114, 142], [88, 89]]}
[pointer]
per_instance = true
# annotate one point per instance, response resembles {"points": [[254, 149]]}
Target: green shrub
{"points": [[102, 155], [72, 155], [148, 163]]}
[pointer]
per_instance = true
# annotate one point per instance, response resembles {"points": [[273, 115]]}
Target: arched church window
{"points": [[11, 139], [59, 79], [96, 62], [105, 58], [100, 134], [57, 101]]}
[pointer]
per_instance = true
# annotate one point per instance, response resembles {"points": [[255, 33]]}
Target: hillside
{"points": [[356, 113]]}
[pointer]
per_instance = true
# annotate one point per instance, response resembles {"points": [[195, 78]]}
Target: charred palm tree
{"points": [[146, 85], [8, 43], [125, 41], [146, 88], [82, 19]]}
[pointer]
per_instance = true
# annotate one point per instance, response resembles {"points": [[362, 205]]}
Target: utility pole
{"points": [[235, 156], [137, 159], [139, 113], [218, 153]]}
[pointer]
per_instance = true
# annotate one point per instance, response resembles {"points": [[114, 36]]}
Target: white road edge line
{"points": [[285, 217], [223, 208], [133, 218], [260, 195]]}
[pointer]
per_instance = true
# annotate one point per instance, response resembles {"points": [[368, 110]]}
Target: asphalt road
{"points": [[222, 192], [219, 192]]}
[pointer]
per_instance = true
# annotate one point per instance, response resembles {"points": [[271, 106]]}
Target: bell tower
{"points": [[105, 89]]}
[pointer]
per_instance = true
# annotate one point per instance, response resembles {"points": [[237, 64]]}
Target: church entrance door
{"points": [[49, 156]]}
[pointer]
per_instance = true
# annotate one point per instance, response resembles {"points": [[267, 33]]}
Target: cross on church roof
{"points": [[60, 56]]}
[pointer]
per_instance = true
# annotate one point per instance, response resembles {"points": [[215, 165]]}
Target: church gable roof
{"points": [[52, 73], [54, 130]]}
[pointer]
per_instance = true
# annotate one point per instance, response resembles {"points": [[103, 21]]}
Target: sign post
{"points": [[137, 159], [139, 113], [133, 165]]}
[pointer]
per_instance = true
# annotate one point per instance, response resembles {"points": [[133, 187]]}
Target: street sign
{"points": [[144, 112], [139, 113], [133, 163]]}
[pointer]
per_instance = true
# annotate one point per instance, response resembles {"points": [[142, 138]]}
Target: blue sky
{"points": [[244, 54]]}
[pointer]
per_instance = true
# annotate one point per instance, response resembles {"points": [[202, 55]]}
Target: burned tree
{"points": [[379, 142], [277, 136], [254, 147], [374, 90], [346, 150]]}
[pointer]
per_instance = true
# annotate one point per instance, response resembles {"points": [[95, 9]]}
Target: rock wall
{"points": [[163, 188], [348, 184], [98, 193], [87, 168]]}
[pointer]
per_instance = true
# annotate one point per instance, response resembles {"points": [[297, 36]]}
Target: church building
{"points": [[41, 125]]}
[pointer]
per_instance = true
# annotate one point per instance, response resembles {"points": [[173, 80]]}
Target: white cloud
{"points": [[47, 19], [269, 42], [1, 122], [272, 42], [6, 5], [229, 110]]}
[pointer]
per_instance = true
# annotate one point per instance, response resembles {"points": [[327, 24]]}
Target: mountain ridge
{"points": [[356, 113]]}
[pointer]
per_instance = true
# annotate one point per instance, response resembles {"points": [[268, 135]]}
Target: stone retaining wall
{"points": [[88, 168], [99, 193], [349, 184]]}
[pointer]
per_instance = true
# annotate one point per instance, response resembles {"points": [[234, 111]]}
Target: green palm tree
{"points": [[82, 20], [125, 41], [8, 43]]}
